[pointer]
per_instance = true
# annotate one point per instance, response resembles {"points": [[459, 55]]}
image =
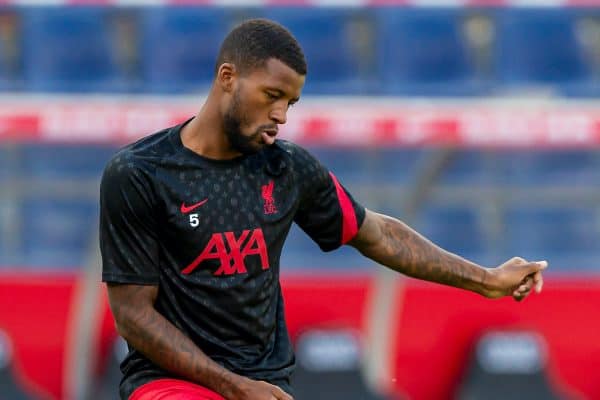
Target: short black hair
{"points": [[253, 42]]}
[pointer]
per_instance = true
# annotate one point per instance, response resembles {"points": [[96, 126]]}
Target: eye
{"points": [[271, 96]]}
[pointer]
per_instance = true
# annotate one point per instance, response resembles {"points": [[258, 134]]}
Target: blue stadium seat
{"points": [[454, 228], [526, 167], [423, 52], [469, 167], [567, 236], [5, 257], [337, 63], [364, 165], [556, 167], [300, 252], [180, 47], [540, 46], [6, 167], [57, 233], [69, 49], [44, 161], [10, 48]]}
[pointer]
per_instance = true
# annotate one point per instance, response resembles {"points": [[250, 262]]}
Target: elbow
{"points": [[121, 328], [131, 323], [124, 324], [132, 308], [367, 250]]}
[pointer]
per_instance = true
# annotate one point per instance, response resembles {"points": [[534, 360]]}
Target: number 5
{"points": [[194, 220]]}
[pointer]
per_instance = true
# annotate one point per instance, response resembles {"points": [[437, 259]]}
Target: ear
{"points": [[226, 76]]}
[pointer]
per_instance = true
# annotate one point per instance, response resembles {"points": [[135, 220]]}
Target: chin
{"points": [[250, 149]]}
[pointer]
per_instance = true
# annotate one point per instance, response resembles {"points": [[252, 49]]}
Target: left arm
{"points": [[392, 243]]}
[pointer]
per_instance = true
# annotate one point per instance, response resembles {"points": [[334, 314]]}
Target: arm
{"points": [[145, 329], [394, 244]]}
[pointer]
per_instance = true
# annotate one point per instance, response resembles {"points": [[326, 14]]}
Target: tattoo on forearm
{"points": [[401, 248]]}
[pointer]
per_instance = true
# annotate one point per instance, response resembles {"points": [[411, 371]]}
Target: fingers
{"points": [[524, 289], [517, 260], [532, 267], [538, 281], [536, 269], [525, 286], [520, 277], [537, 266], [279, 394], [518, 297]]}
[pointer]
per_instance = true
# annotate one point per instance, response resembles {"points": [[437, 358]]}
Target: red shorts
{"points": [[173, 389]]}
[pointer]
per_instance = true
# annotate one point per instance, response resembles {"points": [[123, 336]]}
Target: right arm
{"points": [[394, 244], [145, 329]]}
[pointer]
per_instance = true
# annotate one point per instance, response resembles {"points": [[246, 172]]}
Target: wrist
{"points": [[228, 384], [232, 385], [489, 284]]}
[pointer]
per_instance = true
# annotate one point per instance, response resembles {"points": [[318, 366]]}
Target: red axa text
{"points": [[232, 251]]}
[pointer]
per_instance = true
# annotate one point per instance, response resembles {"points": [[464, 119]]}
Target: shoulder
{"points": [[292, 149], [305, 167], [137, 162], [127, 183], [298, 155]]}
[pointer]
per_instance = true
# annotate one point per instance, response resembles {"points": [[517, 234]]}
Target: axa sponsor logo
{"points": [[231, 251]]}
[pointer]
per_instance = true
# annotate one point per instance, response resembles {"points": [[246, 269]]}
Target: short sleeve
{"points": [[328, 213], [128, 228]]}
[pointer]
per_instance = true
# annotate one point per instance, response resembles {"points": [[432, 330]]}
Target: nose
{"points": [[278, 115]]}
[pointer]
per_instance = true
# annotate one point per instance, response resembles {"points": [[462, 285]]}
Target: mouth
{"points": [[268, 136]]}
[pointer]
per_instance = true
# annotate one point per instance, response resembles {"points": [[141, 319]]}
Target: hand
{"points": [[515, 278], [248, 389]]}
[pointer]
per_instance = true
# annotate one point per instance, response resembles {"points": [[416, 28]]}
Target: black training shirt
{"points": [[209, 233]]}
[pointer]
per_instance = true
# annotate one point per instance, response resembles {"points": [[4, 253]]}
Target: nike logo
{"points": [[186, 209]]}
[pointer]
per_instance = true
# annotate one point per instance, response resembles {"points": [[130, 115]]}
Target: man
{"points": [[193, 220]]}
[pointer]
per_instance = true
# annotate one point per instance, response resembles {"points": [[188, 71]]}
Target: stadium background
{"points": [[477, 122]]}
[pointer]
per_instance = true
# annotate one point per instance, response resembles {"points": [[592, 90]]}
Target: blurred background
{"points": [[476, 122]]}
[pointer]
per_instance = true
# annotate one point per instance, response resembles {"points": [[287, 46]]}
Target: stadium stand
{"points": [[543, 49], [70, 50], [551, 168], [566, 235], [4, 163], [393, 51], [9, 51], [180, 46], [508, 365], [457, 228], [338, 48], [537, 200], [56, 231], [425, 52], [69, 162]]}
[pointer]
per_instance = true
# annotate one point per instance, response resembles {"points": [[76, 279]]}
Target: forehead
{"points": [[275, 74]]}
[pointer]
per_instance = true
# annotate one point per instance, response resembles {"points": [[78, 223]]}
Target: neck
{"points": [[205, 134]]}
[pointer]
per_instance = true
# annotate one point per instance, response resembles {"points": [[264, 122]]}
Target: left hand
{"points": [[516, 278]]}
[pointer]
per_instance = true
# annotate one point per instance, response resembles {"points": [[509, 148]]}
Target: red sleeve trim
{"points": [[349, 222]]}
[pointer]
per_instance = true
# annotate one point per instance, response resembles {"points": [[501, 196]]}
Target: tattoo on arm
{"points": [[158, 339], [394, 244]]}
